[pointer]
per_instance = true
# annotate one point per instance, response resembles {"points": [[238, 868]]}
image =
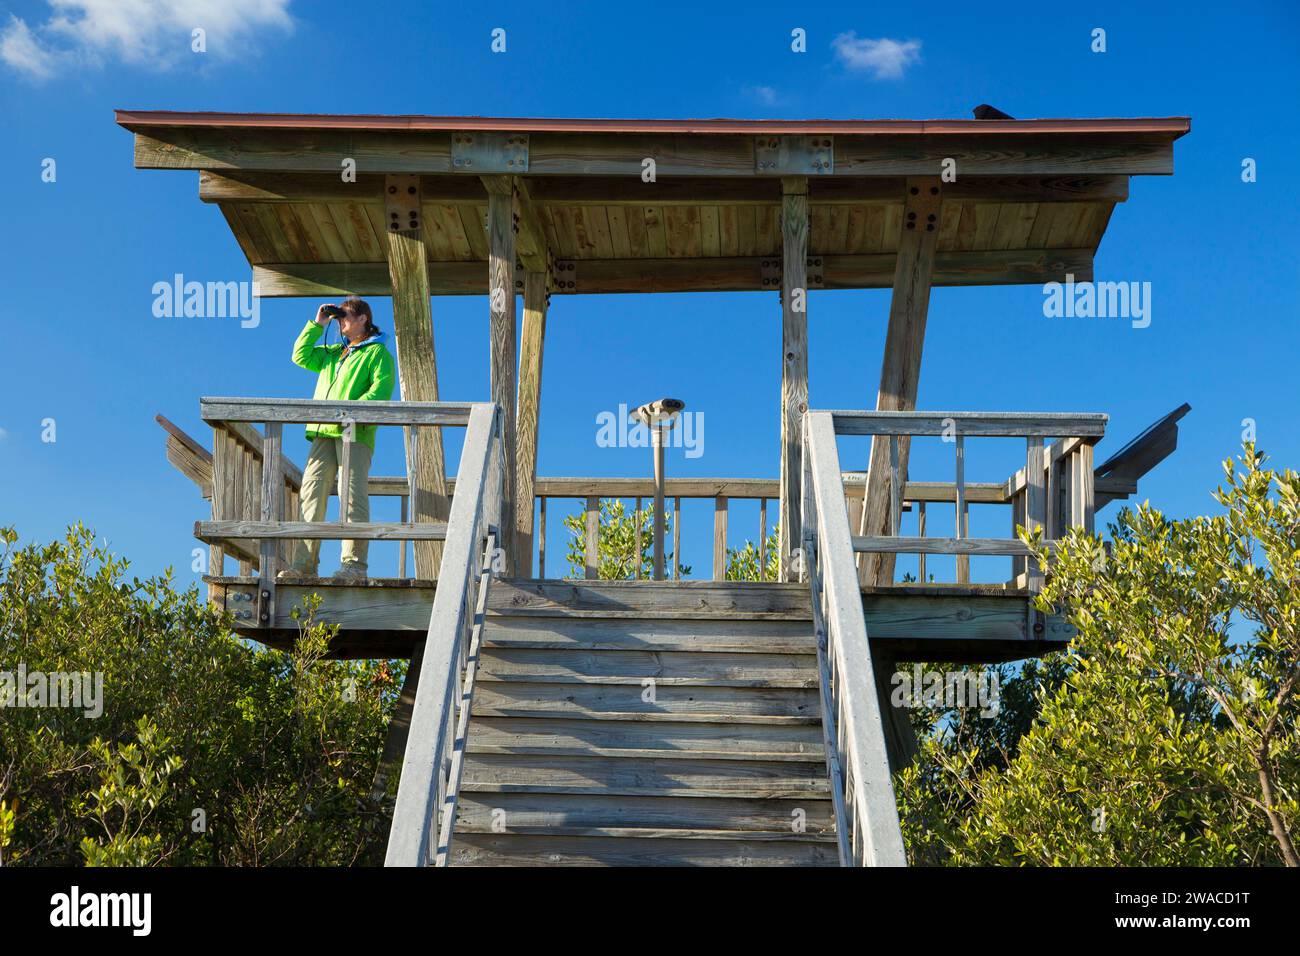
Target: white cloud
{"points": [[21, 50], [153, 33], [3, 434], [764, 94], [885, 59]]}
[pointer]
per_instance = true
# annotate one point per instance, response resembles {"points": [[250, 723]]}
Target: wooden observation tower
{"points": [[559, 721]]}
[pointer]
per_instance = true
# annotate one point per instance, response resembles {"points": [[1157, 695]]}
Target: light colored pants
{"points": [[323, 465]]}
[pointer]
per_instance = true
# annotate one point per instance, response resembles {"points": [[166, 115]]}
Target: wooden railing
{"points": [[1055, 487], [1054, 490], [425, 811], [866, 817], [640, 492], [255, 489]]}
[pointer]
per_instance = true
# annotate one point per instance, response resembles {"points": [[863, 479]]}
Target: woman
{"points": [[359, 369]]}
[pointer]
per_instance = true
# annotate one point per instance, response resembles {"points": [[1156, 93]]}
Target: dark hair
{"points": [[359, 306]]}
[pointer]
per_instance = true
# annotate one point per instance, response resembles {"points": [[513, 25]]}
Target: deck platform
{"points": [[383, 617]]}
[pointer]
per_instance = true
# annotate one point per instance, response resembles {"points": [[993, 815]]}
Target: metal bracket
{"points": [[771, 269], [1058, 629], [816, 277], [794, 155], [402, 202], [566, 275], [483, 151], [265, 603]]}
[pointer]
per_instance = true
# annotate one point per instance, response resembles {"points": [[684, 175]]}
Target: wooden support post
{"points": [[794, 359], [501, 365], [720, 538], [417, 366], [529, 411], [272, 510], [762, 539], [900, 370], [399, 725], [591, 549], [901, 745], [963, 560]]}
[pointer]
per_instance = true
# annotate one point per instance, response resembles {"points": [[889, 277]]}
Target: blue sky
{"points": [[82, 253]]}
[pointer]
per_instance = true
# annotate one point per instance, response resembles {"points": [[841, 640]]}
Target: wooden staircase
{"points": [[601, 734]]}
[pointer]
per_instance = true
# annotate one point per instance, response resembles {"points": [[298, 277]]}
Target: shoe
{"points": [[350, 572], [294, 574]]}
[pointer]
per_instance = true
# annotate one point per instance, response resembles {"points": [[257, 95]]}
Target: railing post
{"points": [[1034, 505], [345, 470], [272, 510], [963, 560], [541, 537], [895, 492], [223, 448], [920, 530], [636, 533], [401, 555], [677, 539], [720, 538], [591, 551], [1086, 487]]}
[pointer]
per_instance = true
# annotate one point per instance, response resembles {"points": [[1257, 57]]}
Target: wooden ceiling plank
{"points": [[246, 244], [618, 235], [452, 229], [332, 246], [655, 232]]}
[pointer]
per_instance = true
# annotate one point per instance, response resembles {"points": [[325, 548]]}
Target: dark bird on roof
{"points": [[984, 111]]}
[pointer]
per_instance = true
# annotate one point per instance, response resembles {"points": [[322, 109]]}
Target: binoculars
{"points": [[333, 311]]}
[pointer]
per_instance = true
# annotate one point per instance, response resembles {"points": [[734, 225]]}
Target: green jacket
{"points": [[364, 374]]}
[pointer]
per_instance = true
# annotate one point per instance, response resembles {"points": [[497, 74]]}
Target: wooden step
{"points": [[480, 812], [669, 777], [624, 702], [538, 665], [622, 738], [498, 849], [644, 600], [617, 634], [599, 737]]}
